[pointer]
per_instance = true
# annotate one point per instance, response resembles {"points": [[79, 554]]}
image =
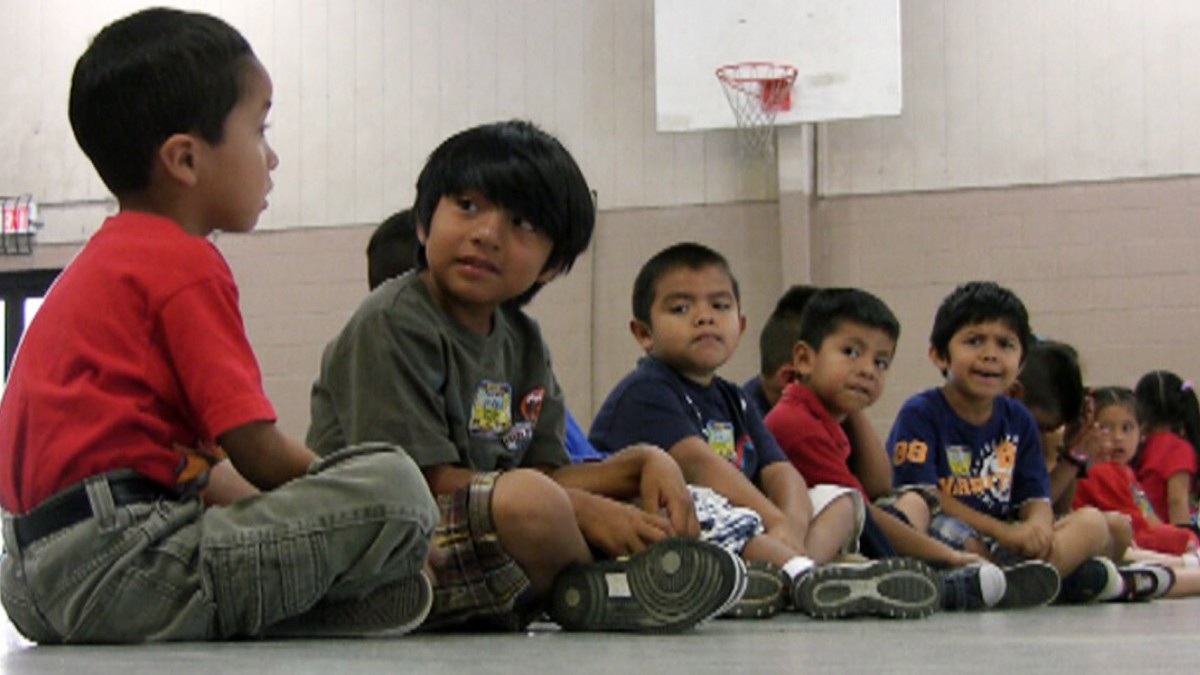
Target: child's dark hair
{"points": [[782, 329], [146, 77], [1165, 400], [690, 255], [1052, 380], [978, 302], [517, 166], [1106, 397], [393, 248], [830, 307]]}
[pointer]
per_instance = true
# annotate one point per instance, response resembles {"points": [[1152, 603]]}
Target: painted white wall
{"points": [[1029, 92], [365, 89]]}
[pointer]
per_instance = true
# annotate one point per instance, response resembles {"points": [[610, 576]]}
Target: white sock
{"points": [[797, 566], [1191, 559]]}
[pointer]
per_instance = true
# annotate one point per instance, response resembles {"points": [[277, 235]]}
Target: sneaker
{"points": [[1032, 583], [976, 586], [1094, 580], [671, 586], [389, 611], [765, 591], [1145, 581], [901, 588], [743, 576]]}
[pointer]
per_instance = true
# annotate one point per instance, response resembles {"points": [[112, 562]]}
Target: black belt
{"points": [[70, 507]]}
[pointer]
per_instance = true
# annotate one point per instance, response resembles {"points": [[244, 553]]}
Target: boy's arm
{"points": [[1030, 536], [617, 528], [264, 456], [868, 458], [637, 471], [702, 466], [226, 486], [910, 542], [1177, 498], [445, 479]]}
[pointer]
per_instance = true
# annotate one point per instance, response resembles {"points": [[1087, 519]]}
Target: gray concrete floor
{"points": [[1163, 636]]}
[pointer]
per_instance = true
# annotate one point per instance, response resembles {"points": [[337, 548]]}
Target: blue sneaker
{"points": [[972, 587]]}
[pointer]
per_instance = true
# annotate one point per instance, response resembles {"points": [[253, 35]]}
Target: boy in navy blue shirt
{"points": [[687, 319], [982, 450]]}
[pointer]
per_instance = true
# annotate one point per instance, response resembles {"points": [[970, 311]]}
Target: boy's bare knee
{"points": [[916, 509], [528, 502]]}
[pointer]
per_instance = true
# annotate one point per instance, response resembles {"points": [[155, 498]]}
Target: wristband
{"points": [[1076, 459]]}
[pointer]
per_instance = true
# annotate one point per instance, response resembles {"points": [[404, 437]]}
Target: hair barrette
{"points": [[1186, 386]]}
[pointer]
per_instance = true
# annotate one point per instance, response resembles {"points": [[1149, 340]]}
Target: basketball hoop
{"points": [[757, 91]]}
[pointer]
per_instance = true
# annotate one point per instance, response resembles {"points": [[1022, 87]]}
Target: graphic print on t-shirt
{"points": [[491, 411], [987, 476]]}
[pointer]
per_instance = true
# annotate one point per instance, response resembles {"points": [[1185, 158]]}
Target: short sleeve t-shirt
{"points": [[1163, 455], [402, 372], [656, 405], [138, 359], [995, 468], [812, 439]]}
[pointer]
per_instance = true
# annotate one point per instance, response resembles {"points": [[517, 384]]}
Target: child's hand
{"points": [[663, 489], [1085, 436], [1029, 539], [620, 529]]}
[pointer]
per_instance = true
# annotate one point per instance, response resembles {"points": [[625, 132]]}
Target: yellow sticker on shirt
{"points": [[721, 440], [491, 411]]}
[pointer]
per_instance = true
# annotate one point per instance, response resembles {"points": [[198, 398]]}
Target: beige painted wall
{"points": [[1110, 267]]}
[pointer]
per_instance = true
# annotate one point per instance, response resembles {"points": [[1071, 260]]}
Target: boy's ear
{"points": [[178, 156], [943, 365], [741, 325], [422, 232], [642, 333], [1017, 390], [803, 359], [785, 374]]}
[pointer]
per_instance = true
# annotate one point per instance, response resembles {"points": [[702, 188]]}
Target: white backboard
{"points": [[847, 53]]}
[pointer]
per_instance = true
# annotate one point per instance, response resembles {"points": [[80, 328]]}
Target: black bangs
{"points": [[522, 168]]}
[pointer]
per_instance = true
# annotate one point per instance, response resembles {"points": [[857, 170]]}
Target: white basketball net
{"points": [[756, 92]]}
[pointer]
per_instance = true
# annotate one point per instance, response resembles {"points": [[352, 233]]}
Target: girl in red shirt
{"points": [[1166, 465]]}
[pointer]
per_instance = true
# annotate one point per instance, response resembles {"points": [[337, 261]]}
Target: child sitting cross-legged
{"points": [[445, 363], [982, 450], [846, 342], [687, 318]]}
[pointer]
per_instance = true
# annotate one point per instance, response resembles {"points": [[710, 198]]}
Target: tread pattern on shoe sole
{"points": [[896, 588], [764, 594], [669, 587]]}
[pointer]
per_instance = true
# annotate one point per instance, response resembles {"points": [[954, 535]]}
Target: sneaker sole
{"points": [[898, 588], [390, 611], [671, 586], [1032, 583], [763, 598]]}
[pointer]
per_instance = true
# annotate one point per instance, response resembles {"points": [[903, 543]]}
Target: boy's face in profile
{"points": [[480, 255], [695, 322], [983, 360], [847, 373], [235, 174]]}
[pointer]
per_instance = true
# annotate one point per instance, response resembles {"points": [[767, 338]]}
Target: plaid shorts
{"points": [[955, 533], [477, 584], [722, 523]]}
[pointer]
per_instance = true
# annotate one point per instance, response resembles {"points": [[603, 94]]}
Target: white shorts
{"points": [[823, 495]]}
